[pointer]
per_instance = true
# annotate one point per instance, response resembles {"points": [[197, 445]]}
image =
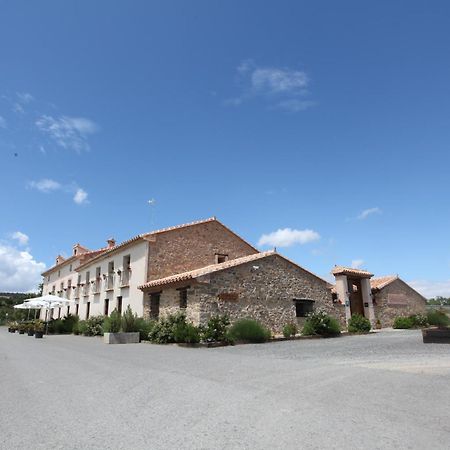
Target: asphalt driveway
{"points": [[383, 391]]}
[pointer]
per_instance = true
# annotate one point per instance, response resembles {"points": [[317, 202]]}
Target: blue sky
{"points": [[319, 127]]}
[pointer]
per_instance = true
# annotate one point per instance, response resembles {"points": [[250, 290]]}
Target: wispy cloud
{"points": [[46, 185], [2, 122], [67, 132], [20, 237], [286, 237], [24, 97], [357, 263], [80, 197], [430, 289], [368, 212], [280, 88]]}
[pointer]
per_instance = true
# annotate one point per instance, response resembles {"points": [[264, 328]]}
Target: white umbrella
{"points": [[25, 306]]}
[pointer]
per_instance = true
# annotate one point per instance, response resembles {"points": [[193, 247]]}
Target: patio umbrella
{"points": [[25, 306]]}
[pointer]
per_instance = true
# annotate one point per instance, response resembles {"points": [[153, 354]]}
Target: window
{"points": [[59, 313], [119, 305], [77, 307], [88, 309], [59, 273], [221, 258], [183, 298], [154, 305], [70, 268], [303, 306], [68, 310], [106, 307]]}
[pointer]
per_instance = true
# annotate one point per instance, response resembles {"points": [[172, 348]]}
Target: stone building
{"points": [[379, 299], [204, 268], [393, 297], [264, 286]]}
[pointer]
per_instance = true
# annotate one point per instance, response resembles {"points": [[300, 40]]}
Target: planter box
{"points": [[121, 338], [38, 334], [436, 335]]}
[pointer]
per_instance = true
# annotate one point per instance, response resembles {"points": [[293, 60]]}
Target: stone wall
{"points": [[397, 299], [193, 247], [263, 290]]}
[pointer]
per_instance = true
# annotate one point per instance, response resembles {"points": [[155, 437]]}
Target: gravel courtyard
{"points": [[381, 391]]}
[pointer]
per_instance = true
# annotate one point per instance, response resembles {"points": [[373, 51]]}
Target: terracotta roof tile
{"points": [[338, 270], [381, 282]]}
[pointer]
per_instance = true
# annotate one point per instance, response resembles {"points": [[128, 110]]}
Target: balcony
{"points": [[86, 289], [96, 286], [110, 282], [77, 292], [125, 278]]}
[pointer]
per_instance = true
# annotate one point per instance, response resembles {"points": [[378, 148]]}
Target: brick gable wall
{"points": [[193, 247]]}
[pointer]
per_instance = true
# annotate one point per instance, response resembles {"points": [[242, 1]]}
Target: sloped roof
{"points": [[88, 254], [381, 282], [193, 274], [156, 232], [341, 270]]}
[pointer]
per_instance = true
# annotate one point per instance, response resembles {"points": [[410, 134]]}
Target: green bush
{"points": [[187, 333], [419, 320], [438, 318], [56, 326], [249, 330], [113, 323], [402, 323], [216, 329], [68, 323], [290, 329], [144, 327], [320, 323], [94, 326], [165, 329], [359, 324], [80, 327], [129, 321]]}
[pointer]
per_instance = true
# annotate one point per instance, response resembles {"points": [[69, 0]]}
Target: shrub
{"points": [[402, 323], [113, 323], [249, 330], [80, 327], [359, 324], [290, 329], [55, 326], [94, 326], [129, 321], [187, 333], [68, 323], [419, 320], [320, 323], [438, 318], [165, 329], [216, 329], [144, 327]]}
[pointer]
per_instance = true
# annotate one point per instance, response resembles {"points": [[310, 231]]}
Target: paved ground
{"points": [[384, 391]]}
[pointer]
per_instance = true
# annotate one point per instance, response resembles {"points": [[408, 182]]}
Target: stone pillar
{"points": [[342, 292], [366, 291]]}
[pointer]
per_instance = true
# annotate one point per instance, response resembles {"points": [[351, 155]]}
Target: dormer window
{"points": [[221, 258]]}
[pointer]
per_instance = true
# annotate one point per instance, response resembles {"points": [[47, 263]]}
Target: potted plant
{"points": [[30, 328], [12, 327], [121, 329], [21, 328], [439, 332], [38, 329]]}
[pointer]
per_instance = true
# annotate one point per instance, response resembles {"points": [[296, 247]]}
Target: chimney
{"points": [[59, 259], [111, 242]]}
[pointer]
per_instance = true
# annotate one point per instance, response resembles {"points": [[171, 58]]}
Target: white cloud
{"points": [[2, 122], [287, 237], [19, 271], [368, 212], [430, 289], [45, 185], [357, 263], [279, 87], [80, 196], [68, 132], [20, 237], [273, 80], [24, 97]]}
